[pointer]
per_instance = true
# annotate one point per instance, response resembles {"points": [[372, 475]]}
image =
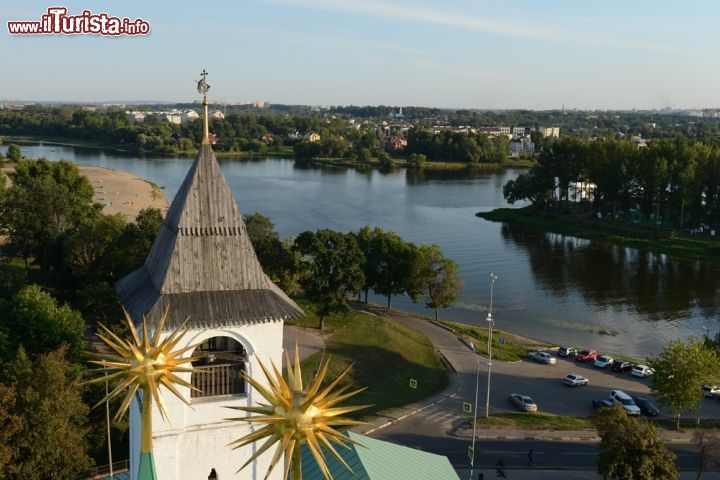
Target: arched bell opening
{"points": [[218, 371]]}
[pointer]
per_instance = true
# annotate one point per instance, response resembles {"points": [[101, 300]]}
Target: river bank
{"points": [[696, 247], [120, 192], [399, 162]]}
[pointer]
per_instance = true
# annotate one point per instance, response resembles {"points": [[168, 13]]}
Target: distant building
{"points": [[172, 117], [638, 141], [394, 144], [552, 132], [188, 115], [312, 137], [137, 117], [523, 145], [217, 114]]}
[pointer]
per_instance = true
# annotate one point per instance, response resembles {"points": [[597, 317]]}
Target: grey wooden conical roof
{"points": [[202, 263]]}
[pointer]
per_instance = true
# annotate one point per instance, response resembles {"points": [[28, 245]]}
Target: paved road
{"points": [[546, 454]]}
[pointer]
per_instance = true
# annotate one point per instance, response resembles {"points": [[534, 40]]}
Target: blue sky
{"points": [[463, 53]]}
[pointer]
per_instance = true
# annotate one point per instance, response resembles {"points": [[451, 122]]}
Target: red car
{"points": [[586, 356]]}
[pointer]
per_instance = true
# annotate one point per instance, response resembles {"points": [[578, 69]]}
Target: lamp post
{"points": [[477, 374], [490, 321], [477, 383]]}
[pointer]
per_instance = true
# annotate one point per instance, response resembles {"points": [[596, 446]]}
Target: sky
{"points": [[534, 54]]}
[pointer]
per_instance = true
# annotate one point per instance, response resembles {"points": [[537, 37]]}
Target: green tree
{"points": [[10, 424], [334, 264], [34, 319], [630, 449], [436, 277], [50, 444], [680, 372], [14, 154], [416, 160], [392, 260], [277, 257], [46, 200]]}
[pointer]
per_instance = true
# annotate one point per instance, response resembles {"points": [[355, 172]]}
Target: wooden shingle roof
{"points": [[202, 263]]}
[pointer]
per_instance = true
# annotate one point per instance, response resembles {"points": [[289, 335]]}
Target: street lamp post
{"points": [[490, 321], [477, 375], [477, 384]]}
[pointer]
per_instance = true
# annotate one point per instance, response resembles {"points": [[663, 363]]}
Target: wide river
{"points": [[552, 287]]}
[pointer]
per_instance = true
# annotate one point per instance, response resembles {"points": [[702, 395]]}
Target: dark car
{"points": [[602, 403], [620, 366], [646, 406]]}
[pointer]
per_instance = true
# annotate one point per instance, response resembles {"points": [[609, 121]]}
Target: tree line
{"points": [[330, 267], [449, 146], [674, 180]]}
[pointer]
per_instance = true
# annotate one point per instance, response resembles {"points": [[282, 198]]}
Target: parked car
{"points": [[575, 380], [566, 351], [602, 403], [586, 356], [621, 366], [603, 361], [543, 357], [523, 402], [711, 390], [642, 371], [646, 406], [625, 401]]}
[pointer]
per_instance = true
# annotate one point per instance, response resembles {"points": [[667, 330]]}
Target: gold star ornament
{"points": [[296, 416], [145, 363]]}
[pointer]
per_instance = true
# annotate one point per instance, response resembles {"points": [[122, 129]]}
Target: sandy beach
{"points": [[120, 192], [124, 193]]}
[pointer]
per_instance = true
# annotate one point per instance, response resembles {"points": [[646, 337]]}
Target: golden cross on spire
{"points": [[203, 87]]}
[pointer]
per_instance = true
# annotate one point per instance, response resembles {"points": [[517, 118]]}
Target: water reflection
{"points": [[651, 285]]}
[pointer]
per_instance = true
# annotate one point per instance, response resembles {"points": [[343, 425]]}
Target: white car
{"points": [[642, 371], [575, 380], [711, 391], [626, 402], [603, 361], [543, 357]]}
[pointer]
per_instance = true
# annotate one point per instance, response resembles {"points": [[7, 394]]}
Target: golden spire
{"points": [[203, 88], [297, 416], [146, 364]]}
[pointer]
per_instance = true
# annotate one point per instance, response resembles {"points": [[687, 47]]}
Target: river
{"points": [[552, 287]]}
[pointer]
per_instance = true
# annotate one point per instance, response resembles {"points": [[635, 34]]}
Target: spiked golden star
{"points": [[297, 416], [146, 364]]}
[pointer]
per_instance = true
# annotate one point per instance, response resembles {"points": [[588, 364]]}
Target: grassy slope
{"points": [[696, 247], [384, 355], [514, 349]]}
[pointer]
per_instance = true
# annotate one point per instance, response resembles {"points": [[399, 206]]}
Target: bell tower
{"points": [[202, 265]]}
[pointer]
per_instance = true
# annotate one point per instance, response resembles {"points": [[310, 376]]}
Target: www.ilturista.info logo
{"points": [[57, 22]]}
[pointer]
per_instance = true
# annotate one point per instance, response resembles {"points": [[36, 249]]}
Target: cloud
{"points": [[493, 26]]}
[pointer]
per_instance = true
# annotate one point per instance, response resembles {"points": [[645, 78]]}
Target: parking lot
{"points": [[544, 384]]}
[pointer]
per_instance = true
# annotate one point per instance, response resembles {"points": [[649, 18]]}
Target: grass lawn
{"points": [[384, 355], [535, 421], [699, 247], [514, 348], [540, 421]]}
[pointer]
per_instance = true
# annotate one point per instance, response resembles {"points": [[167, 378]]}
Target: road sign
{"points": [[413, 383], [502, 341], [471, 452], [467, 407]]}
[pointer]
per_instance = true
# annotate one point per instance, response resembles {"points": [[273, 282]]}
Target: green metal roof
{"points": [[379, 460]]}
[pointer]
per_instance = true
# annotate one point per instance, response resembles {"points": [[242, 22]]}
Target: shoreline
{"points": [[120, 192], [398, 162], [700, 247]]}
